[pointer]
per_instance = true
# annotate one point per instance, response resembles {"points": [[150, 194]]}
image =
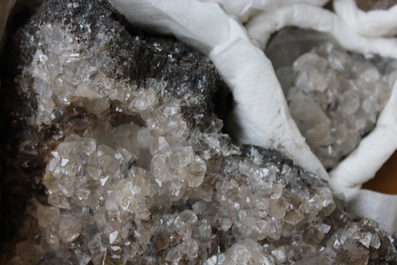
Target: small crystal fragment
{"points": [[329, 88]]}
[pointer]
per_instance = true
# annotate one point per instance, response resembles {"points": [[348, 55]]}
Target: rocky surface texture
{"points": [[113, 145]]}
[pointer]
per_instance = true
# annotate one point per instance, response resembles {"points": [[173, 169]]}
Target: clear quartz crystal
{"points": [[328, 88]]}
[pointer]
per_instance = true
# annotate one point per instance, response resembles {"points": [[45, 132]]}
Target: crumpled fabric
{"points": [[380, 207], [375, 23], [312, 17], [243, 10]]}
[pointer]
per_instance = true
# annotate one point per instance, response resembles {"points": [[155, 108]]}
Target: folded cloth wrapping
{"points": [[374, 23], [243, 10], [380, 207]]}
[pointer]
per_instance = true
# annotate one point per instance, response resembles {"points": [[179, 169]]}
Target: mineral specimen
{"points": [[335, 97], [117, 128]]}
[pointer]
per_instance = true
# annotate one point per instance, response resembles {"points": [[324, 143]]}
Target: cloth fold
{"points": [[380, 207], [243, 10], [375, 23], [312, 17]]}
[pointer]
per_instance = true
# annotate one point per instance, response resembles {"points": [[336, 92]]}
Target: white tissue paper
{"points": [[245, 9], [374, 23], [261, 112], [380, 207], [312, 17]]}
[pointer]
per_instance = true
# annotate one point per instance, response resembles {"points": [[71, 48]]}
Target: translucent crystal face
{"points": [[335, 98], [130, 179]]}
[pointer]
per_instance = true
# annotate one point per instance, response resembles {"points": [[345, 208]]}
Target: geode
{"points": [[113, 132]]}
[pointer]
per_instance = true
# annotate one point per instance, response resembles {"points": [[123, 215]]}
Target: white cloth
{"points": [[312, 17], [245, 9], [377, 206], [374, 23]]}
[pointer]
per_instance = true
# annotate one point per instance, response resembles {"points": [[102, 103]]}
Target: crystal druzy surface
{"points": [[113, 143], [334, 96]]}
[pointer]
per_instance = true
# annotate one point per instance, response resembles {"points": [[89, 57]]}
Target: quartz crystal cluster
{"points": [[114, 130], [335, 98]]}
